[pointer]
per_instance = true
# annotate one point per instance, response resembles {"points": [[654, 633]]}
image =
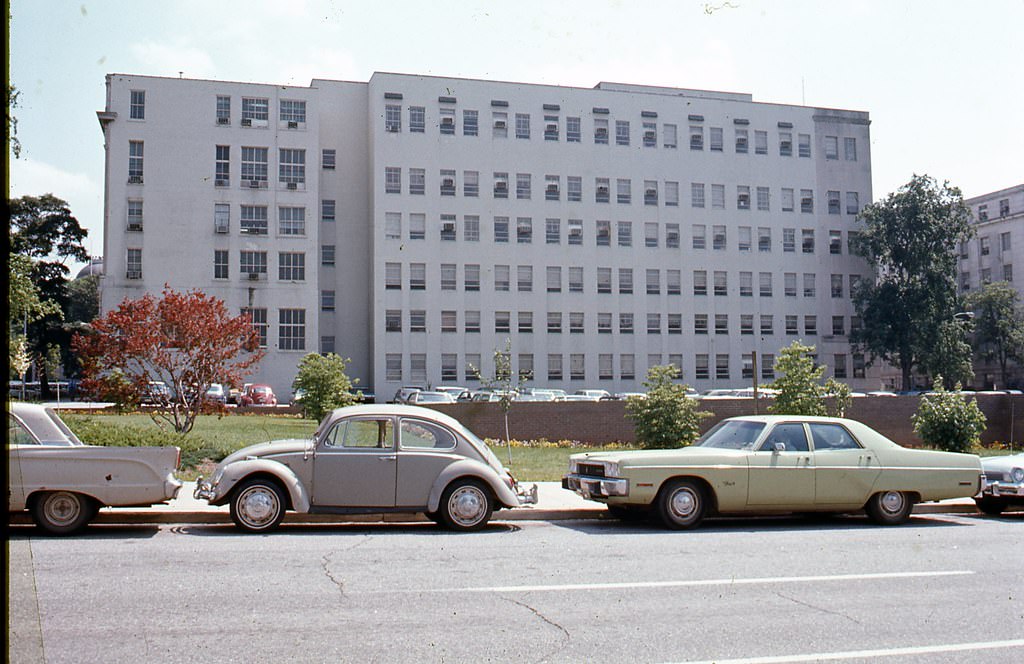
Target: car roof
{"points": [[397, 410]]}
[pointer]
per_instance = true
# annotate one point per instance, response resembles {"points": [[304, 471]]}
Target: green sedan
{"points": [[774, 464]]}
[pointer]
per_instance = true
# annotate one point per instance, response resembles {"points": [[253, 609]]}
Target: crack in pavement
{"points": [[818, 608], [568, 637], [326, 560]]}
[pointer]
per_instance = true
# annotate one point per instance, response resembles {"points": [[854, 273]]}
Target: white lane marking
{"points": [[701, 582], [868, 654]]}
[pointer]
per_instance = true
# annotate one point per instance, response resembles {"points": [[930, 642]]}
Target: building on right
{"points": [[989, 257]]}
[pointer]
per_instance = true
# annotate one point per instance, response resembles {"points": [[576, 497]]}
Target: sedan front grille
{"points": [[591, 469]]}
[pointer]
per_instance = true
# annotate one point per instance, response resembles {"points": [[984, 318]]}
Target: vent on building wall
{"points": [[246, 122], [134, 179], [134, 274], [292, 124], [223, 121], [135, 227], [293, 185]]}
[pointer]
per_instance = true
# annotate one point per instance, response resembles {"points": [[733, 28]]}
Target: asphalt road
{"points": [[943, 588]]}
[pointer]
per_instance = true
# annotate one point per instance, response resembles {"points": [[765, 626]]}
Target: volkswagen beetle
{"points": [[368, 459]]}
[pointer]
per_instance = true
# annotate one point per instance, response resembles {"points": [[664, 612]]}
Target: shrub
{"points": [[324, 384], [665, 417], [949, 420]]}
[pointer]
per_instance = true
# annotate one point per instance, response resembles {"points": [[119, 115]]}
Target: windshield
{"points": [[732, 435]]}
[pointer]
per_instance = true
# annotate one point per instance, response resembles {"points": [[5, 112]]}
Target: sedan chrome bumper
{"points": [[596, 487], [999, 489]]}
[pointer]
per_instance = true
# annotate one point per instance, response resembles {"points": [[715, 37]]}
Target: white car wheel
{"points": [[681, 504], [466, 505], [62, 512], [258, 506], [890, 508]]}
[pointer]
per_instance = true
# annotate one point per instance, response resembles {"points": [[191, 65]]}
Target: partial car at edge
{"points": [[63, 481], [774, 464], [1003, 484]]}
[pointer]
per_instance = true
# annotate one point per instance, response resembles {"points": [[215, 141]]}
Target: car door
{"points": [[17, 438], [781, 470], [425, 450], [356, 464], [844, 471]]}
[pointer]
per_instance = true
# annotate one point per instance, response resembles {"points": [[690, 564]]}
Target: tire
{"points": [[466, 505], [631, 514], [63, 512], [890, 508], [681, 504], [258, 505], [991, 506]]}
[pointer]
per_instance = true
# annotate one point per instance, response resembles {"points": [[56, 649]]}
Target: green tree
{"points": [[44, 230], [83, 299], [910, 239], [666, 417], [949, 420], [998, 325], [12, 121], [800, 391], [324, 384]]}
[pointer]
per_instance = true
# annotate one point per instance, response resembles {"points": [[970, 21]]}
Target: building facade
{"points": [[990, 256], [418, 224]]}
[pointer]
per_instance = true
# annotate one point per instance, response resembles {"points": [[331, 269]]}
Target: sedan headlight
{"points": [[1017, 475]]}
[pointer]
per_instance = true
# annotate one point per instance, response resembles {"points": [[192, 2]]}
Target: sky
{"points": [[941, 79]]}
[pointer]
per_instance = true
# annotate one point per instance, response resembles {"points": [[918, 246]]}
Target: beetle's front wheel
{"points": [[258, 506]]}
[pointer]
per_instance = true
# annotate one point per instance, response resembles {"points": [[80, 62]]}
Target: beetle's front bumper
{"points": [[596, 488], [527, 494], [205, 489]]}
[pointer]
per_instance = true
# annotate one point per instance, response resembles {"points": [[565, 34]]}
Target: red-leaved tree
{"points": [[187, 341]]}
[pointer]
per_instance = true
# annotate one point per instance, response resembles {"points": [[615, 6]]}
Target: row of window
{"points": [[291, 327], [575, 322], [1004, 209], [254, 171], [747, 197], [413, 367], [1004, 273], [719, 283], [255, 111], [653, 233], [699, 137], [985, 245]]}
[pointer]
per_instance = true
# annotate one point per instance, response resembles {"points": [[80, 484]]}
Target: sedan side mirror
{"points": [[778, 446]]}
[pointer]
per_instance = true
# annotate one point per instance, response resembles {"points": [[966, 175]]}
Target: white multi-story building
{"points": [[417, 224], [991, 255]]}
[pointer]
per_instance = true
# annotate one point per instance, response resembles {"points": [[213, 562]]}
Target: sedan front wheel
{"points": [[681, 504], [466, 505], [890, 508], [258, 506]]}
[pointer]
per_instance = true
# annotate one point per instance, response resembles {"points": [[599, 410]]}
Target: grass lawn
{"points": [[213, 438]]}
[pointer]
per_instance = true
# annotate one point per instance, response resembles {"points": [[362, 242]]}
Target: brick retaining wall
{"points": [[605, 421]]}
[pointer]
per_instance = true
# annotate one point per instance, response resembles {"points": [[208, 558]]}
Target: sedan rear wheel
{"points": [[681, 504], [63, 512], [258, 506], [890, 508], [466, 505]]}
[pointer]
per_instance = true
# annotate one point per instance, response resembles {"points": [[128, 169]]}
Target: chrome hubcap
{"points": [[892, 501], [467, 506], [62, 508], [684, 503], [258, 506]]}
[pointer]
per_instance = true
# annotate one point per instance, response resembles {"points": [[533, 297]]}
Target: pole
{"points": [[753, 356]]}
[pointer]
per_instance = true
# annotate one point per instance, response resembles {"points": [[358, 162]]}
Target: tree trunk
{"points": [[907, 379]]}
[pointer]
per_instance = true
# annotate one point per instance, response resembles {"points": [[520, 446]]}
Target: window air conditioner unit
{"points": [[651, 193], [293, 185], [254, 276], [786, 145], [649, 136], [246, 122], [220, 183], [223, 121], [553, 188], [254, 184], [134, 226], [602, 190], [134, 179], [220, 228], [448, 183], [601, 132], [806, 202], [741, 143], [134, 274], [448, 227], [499, 124], [744, 201], [292, 124], [500, 186], [447, 121], [391, 128], [551, 129]]}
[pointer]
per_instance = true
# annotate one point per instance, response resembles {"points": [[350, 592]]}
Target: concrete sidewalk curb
{"points": [[221, 515]]}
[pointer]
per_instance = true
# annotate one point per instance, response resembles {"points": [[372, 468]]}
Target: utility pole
{"points": [[753, 356]]}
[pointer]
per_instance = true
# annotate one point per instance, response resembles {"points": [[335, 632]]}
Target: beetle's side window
{"points": [[790, 435], [419, 434], [16, 433], [832, 437], [361, 434]]}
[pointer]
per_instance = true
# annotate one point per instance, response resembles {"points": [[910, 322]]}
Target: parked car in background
{"points": [[774, 464], [403, 393], [257, 395], [155, 392], [425, 396], [554, 393], [622, 396], [594, 395], [1003, 485], [372, 458], [459, 393], [217, 394], [578, 397], [63, 481]]}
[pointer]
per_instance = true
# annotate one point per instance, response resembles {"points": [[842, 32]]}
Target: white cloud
{"points": [[167, 59]]}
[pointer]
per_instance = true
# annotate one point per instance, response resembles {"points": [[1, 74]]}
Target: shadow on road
{"points": [[92, 531], [321, 529]]}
